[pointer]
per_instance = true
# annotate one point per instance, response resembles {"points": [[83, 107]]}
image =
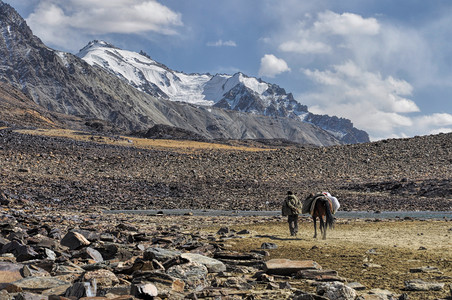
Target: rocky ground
{"points": [[406, 174], [52, 253], [58, 240]]}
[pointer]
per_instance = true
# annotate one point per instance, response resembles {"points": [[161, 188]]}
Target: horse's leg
{"points": [[315, 227], [324, 229]]}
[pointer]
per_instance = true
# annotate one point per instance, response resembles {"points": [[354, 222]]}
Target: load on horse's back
{"points": [[321, 206]]}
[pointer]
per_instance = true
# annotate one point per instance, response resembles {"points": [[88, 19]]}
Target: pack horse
{"points": [[321, 206]]}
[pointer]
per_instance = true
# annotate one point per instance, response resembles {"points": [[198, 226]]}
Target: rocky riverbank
{"points": [[57, 243], [60, 254]]}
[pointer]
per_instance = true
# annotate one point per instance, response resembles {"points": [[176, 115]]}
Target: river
{"points": [[340, 214]]}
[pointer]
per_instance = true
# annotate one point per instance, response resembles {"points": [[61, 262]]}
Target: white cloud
{"points": [[438, 119], [321, 35], [375, 104], [345, 24], [440, 130], [272, 66], [59, 22], [221, 43], [305, 46]]}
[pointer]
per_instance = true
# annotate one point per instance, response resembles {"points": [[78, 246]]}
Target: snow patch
{"points": [[62, 56]]}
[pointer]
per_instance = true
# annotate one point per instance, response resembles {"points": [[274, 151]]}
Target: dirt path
{"points": [[376, 254]]}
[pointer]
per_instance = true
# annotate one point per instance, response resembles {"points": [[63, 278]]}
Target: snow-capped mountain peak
{"points": [[233, 92], [139, 70]]}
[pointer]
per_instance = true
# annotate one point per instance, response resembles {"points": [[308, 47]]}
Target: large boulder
{"points": [[336, 291], [289, 267], [421, 285], [193, 274], [9, 272], [74, 240], [213, 265]]}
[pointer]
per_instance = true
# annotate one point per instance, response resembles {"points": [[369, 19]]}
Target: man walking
{"points": [[292, 208]]}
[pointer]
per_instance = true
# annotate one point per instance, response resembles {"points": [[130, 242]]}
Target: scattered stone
{"points": [[288, 267], [380, 294], [371, 265], [427, 269], [103, 278], [39, 284], [193, 274], [269, 246], [336, 290], [420, 285], [144, 291], [79, 290], [160, 254], [213, 265], [356, 286], [9, 272], [319, 275], [74, 240], [20, 251], [223, 231]]}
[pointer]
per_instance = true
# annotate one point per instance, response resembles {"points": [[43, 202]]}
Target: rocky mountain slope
{"points": [[63, 83], [233, 92]]}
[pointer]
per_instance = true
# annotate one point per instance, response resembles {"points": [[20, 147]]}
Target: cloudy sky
{"points": [[386, 65]]}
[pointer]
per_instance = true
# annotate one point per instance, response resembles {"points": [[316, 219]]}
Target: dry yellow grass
{"points": [[173, 145], [376, 254]]}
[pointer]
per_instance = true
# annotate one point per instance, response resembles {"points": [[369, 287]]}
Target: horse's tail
{"points": [[329, 214]]}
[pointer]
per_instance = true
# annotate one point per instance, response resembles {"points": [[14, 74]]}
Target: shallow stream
{"points": [[339, 214]]}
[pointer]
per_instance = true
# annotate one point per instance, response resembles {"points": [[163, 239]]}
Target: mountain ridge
{"points": [[63, 83], [237, 92]]}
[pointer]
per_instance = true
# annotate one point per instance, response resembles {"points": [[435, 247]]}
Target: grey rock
{"points": [[103, 278], [30, 296], [301, 295], [144, 291], [223, 230], [10, 272], [193, 274], [38, 284], [356, 286], [32, 270], [21, 252], [269, 246], [213, 265], [4, 295], [421, 285], [427, 269], [90, 253], [67, 268], [114, 251], [336, 291], [319, 275], [82, 289], [74, 240], [288, 267], [160, 254], [50, 254]]}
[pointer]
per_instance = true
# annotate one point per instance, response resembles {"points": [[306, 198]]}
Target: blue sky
{"points": [[385, 65]]}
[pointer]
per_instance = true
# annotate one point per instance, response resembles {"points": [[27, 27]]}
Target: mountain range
{"points": [[130, 92]]}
